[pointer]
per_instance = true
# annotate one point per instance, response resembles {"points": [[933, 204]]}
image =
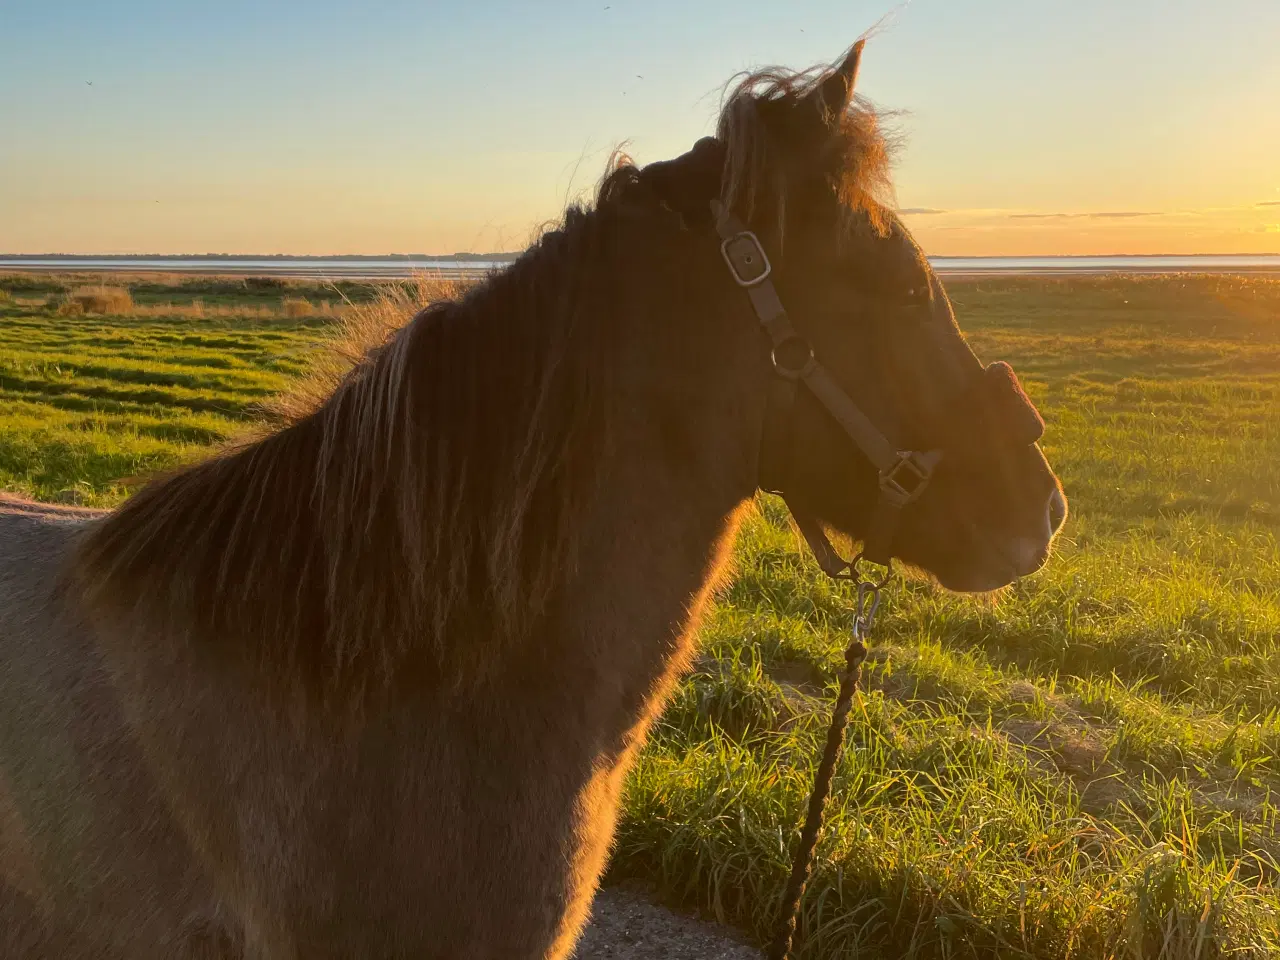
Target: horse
{"points": [[370, 683]]}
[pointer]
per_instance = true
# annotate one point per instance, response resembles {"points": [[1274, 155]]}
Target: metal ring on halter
{"points": [[789, 366]]}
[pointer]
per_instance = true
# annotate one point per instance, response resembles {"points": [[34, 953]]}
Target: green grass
{"points": [[1085, 766], [88, 402]]}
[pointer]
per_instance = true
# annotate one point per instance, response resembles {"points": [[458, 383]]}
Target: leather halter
{"points": [[903, 474]]}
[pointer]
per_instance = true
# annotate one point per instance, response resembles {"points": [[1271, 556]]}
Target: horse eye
{"points": [[916, 296]]}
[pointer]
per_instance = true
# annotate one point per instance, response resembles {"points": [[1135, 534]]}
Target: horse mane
{"points": [[418, 501], [422, 506]]}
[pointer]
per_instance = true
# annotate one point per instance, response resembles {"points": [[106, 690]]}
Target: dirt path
{"points": [[625, 926]]}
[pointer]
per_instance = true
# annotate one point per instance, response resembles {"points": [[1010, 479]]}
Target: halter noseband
{"points": [[903, 474]]}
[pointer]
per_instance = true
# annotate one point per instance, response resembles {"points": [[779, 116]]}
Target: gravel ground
{"points": [[626, 926]]}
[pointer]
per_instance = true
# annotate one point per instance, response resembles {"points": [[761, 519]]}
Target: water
{"points": [[318, 268], [373, 269]]}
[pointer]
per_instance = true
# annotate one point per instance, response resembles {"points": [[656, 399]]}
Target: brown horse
{"points": [[369, 686]]}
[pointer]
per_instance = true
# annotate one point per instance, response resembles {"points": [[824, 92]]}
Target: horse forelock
{"points": [[758, 123]]}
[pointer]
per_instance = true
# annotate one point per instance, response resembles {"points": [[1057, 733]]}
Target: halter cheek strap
{"points": [[903, 474]]}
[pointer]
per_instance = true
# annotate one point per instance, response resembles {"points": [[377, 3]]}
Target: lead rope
{"points": [[868, 600], [903, 475]]}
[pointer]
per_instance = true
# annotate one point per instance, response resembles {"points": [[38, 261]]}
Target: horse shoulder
{"points": [[81, 818]]}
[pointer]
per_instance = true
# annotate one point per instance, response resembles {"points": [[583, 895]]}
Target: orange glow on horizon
{"points": [[1233, 230]]}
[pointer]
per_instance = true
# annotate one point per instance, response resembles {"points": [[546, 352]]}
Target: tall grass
{"points": [[102, 299], [295, 307], [198, 309]]}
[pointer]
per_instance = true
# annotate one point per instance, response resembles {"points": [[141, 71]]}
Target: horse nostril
{"points": [[1057, 511]]}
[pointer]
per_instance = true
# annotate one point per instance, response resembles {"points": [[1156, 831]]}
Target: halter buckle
{"points": [[748, 263], [906, 479]]}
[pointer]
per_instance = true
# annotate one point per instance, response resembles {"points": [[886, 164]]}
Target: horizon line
{"points": [[513, 254]]}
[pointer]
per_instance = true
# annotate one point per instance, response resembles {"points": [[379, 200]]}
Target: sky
{"points": [[384, 126]]}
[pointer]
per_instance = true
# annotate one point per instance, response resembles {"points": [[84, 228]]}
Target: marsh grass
{"points": [[197, 309], [102, 299], [295, 307], [1084, 766], [179, 288]]}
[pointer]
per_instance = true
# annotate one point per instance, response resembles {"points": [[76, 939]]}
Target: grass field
{"points": [[1087, 765], [89, 400]]}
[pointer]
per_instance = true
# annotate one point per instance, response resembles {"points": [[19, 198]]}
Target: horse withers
{"points": [[369, 684]]}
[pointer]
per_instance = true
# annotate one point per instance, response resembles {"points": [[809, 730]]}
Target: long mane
{"points": [[421, 511]]}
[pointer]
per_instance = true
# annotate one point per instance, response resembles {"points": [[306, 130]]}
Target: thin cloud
{"points": [[1269, 203], [922, 210], [1095, 215]]}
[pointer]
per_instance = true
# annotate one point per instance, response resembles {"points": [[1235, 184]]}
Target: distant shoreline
{"points": [[512, 255], [394, 266], [265, 257]]}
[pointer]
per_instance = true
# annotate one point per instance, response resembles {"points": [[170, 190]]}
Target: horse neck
{"points": [[575, 432], [686, 401]]}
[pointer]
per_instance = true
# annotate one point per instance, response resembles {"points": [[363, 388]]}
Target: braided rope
{"points": [[786, 928]]}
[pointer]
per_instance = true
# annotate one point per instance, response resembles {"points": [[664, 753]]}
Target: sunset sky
{"points": [[259, 126]]}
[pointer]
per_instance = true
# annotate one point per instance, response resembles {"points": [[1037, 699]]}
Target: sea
{"points": [[349, 268]]}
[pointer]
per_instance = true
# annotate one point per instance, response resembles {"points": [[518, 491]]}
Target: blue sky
{"points": [[337, 127]]}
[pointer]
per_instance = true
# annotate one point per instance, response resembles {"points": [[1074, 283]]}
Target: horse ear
{"points": [[837, 90], [690, 182]]}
